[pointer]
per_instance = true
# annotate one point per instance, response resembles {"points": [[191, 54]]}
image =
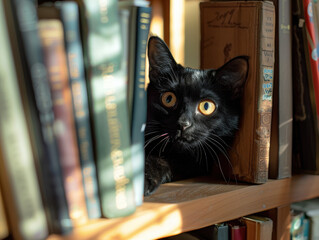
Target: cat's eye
{"points": [[168, 99], [206, 107]]}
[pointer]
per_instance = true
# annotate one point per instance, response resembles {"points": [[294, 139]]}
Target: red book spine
{"points": [[311, 37]]}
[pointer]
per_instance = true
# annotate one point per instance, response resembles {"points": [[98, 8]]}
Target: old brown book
{"points": [[230, 29], [52, 40]]}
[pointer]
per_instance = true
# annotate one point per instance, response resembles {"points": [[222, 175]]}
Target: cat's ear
{"points": [[233, 75], [159, 56]]}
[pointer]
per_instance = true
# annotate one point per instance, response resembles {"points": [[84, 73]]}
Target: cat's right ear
{"points": [[159, 56]]}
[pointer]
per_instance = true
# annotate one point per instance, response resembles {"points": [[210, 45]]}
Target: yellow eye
{"points": [[168, 99], [206, 107]]}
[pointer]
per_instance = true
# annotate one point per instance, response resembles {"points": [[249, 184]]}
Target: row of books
{"points": [[250, 227], [73, 110]]}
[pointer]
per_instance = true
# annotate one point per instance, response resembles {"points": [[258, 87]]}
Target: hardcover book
{"points": [[18, 178], [213, 232], [258, 228], [107, 96], [280, 160], [305, 90], [52, 40], [39, 112], [68, 13], [138, 30], [230, 29]]}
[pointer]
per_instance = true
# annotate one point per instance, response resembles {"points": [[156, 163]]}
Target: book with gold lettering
{"points": [[67, 12], [52, 40], [230, 29], [103, 52]]}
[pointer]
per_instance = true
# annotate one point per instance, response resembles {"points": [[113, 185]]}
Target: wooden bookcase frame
{"points": [[191, 204]]}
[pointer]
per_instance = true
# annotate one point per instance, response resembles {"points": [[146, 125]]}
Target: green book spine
{"points": [[107, 89]]}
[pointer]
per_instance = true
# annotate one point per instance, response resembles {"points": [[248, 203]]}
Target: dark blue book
{"points": [[138, 111], [40, 115]]}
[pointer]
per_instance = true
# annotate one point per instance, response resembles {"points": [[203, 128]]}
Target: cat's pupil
{"points": [[206, 105], [169, 99]]}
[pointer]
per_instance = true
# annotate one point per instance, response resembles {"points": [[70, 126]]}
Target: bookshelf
{"points": [[191, 204]]}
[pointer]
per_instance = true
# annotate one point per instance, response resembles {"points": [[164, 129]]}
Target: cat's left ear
{"points": [[160, 57], [233, 75]]}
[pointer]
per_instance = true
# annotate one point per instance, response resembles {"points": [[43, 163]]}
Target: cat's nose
{"points": [[185, 124]]}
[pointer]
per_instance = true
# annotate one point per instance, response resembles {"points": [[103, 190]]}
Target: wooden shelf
{"points": [[187, 205]]}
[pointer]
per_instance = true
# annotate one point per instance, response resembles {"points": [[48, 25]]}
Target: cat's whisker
{"points": [[166, 143], [153, 139], [218, 162], [224, 152], [163, 145], [156, 146]]}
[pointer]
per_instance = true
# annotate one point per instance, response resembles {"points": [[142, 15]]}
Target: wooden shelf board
{"points": [[195, 203]]}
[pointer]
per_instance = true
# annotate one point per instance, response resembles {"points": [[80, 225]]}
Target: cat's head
{"points": [[188, 107]]}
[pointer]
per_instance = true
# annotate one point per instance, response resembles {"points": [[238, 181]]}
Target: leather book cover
{"points": [[52, 40], [280, 160], [35, 91], [106, 76], [230, 29]]}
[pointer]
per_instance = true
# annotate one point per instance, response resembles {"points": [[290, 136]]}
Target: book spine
{"points": [[139, 102], [37, 79], [263, 120], [52, 40], [109, 104], [17, 158], [285, 89], [70, 19]]}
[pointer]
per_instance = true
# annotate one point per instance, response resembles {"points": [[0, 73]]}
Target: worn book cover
{"points": [[230, 29]]}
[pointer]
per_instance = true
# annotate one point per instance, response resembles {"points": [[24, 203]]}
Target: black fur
{"points": [[180, 142]]}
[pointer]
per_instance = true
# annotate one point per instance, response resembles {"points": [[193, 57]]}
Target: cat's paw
{"points": [[150, 185]]}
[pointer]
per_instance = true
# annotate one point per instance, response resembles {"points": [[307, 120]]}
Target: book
{"points": [[237, 230], [305, 126], [52, 41], [107, 98], [258, 227], [4, 228], [39, 112], [310, 208], [280, 160], [68, 13], [230, 29], [18, 178], [214, 232], [299, 225], [138, 31]]}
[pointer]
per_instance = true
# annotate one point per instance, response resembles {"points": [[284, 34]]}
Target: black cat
{"points": [[192, 115]]}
